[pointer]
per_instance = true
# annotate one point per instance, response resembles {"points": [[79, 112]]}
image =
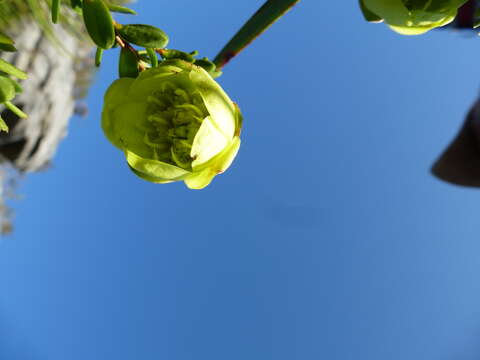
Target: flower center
{"points": [[174, 117]]}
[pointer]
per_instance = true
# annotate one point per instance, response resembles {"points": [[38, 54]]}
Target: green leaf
{"points": [[176, 54], [55, 10], [12, 70], [270, 12], [209, 67], [206, 64], [143, 35], [153, 57], [7, 47], [5, 39], [127, 64], [15, 110], [120, 9], [7, 89], [3, 125], [99, 23], [98, 56], [16, 85]]}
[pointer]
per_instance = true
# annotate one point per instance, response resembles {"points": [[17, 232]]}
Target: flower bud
{"points": [[413, 17], [174, 122]]}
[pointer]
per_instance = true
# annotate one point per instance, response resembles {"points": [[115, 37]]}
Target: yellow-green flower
{"points": [[173, 122], [412, 17]]}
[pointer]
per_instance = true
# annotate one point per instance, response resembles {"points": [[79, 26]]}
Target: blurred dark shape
{"points": [[466, 15], [460, 162], [81, 109], [8, 181], [465, 19]]}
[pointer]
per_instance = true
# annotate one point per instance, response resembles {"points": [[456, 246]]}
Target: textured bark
{"points": [[48, 94], [59, 73]]}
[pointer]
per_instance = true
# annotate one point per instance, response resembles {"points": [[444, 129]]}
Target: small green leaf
{"points": [[209, 67], [5, 39], [7, 89], [3, 125], [7, 47], [177, 54], [98, 56], [144, 35], [120, 9], [16, 85], [206, 64], [55, 10], [99, 23], [12, 70], [15, 110], [127, 64], [153, 57]]}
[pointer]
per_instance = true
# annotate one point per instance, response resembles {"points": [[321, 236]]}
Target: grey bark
{"points": [[57, 77], [48, 97]]}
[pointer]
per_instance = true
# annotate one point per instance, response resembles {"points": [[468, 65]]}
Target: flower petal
{"points": [[117, 92], [202, 177], [208, 142], [126, 126], [217, 102], [418, 30], [151, 80], [226, 158], [238, 120], [149, 178], [156, 169], [416, 18], [200, 180]]}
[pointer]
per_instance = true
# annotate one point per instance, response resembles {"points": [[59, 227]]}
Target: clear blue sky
{"points": [[326, 239]]}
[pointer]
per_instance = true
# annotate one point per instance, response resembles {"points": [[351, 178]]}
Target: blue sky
{"points": [[326, 239]]}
